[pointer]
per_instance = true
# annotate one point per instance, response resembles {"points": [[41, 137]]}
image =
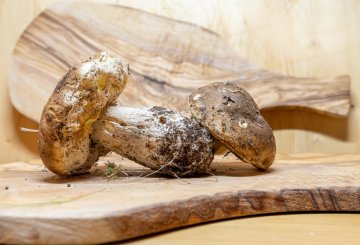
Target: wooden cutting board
{"points": [[38, 207], [168, 60]]}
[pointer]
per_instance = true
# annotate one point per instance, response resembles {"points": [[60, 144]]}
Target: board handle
{"points": [[330, 95]]}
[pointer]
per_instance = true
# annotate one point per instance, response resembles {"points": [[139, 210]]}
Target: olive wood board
{"points": [[37, 206], [168, 60]]}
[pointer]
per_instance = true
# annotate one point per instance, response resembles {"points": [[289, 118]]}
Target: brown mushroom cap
{"points": [[232, 117], [78, 100]]}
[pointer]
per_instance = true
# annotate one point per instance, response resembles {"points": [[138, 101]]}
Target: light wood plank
{"points": [[166, 65], [49, 209], [297, 229], [301, 38], [291, 53]]}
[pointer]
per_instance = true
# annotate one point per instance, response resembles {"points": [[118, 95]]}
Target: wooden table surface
{"points": [[292, 229], [274, 229], [92, 208]]}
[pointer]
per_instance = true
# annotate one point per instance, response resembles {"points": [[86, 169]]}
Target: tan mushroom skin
{"points": [[76, 103], [78, 125], [232, 117], [158, 138]]}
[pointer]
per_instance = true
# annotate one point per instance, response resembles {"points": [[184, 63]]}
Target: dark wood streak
{"points": [[29, 37], [322, 200], [149, 79], [332, 199], [49, 15], [314, 201]]}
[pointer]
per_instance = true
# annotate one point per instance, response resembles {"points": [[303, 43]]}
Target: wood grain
{"points": [[295, 229], [298, 38], [297, 42], [166, 65], [46, 209]]}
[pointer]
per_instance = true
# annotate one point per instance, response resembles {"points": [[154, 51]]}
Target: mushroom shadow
{"points": [[55, 179], [101, 173], [307, 120], [236, 168], [222, 166]]}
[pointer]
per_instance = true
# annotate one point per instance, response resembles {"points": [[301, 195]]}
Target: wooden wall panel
{"points": [[301, 38]]}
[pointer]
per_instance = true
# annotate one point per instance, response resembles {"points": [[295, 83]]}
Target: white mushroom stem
{"points": [[157, 138]]}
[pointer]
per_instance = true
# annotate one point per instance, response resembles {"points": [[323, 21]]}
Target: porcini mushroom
{"points": [[232, 117], [158, 138], [77, 126]]}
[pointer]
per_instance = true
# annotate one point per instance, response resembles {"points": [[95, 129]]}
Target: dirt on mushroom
{"points": [[78, 126], [77, 101], [232, 117], [159, 138]]}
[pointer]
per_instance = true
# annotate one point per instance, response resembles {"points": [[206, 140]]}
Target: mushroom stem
{"points": [[156, 138]]}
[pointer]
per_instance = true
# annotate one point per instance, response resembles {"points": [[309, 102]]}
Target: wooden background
{"points": [[300, 38]]}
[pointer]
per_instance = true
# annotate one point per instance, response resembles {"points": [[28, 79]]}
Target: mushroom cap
{"points": [[232, 117], [78, 100]]}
